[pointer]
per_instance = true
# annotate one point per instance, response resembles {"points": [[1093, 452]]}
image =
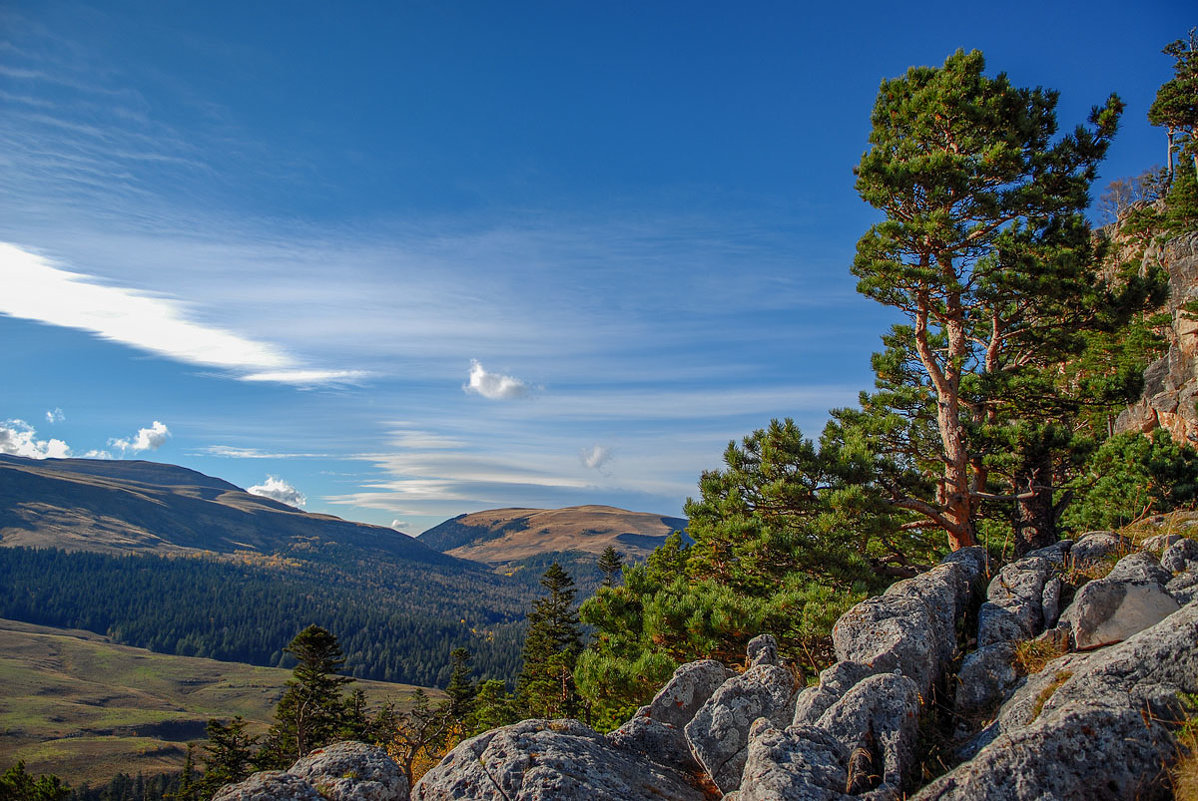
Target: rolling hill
{"points": [[77, 705], [523, 542], [158, 556], [117, 506]]}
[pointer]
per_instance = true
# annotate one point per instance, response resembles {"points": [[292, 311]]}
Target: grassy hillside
{"points": [[499, 536], [76, 705]]}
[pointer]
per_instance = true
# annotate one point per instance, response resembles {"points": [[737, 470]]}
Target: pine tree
{"points": [[611, 562], [311, 711], [1176, 103], [545, 687], [984, 237]]}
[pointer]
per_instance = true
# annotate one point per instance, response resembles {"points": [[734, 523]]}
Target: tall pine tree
{"points": [[983, 245]]}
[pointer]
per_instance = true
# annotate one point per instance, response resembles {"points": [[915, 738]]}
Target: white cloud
{"points": [[595, 457], [493, 385], [399, 525], [306, 377], [146, 439], [279, 490], [18, 438], [231, 452], [55, 415], [156, 323]]}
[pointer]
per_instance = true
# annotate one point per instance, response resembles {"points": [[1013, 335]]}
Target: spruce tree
{"points": [[230, 755], [611, 562], [311, 712], [545, 687], [461, 688]]}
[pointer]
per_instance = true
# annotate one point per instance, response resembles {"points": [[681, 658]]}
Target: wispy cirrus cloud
{"points": [[41, 291]]}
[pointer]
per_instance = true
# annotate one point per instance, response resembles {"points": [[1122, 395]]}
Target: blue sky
{"points": [[413, 259]]}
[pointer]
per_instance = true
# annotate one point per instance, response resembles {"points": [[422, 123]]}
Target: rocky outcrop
{"points": [[1171, 382], [345, 771], [1095, 722], [1088, 725], [541, 760]]}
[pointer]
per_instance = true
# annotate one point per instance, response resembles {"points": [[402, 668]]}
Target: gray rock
{"points": [[1057, 553], [687, 690], [1105, 611], [540, 760], [1181, 557], [985, 677], [1157, 543], [1050, 602], [1140, 567], [1018, 591], [1096, 547], [1095, 725], [269, 785], [1083, 753], [719, 733], [834, 682], [800, 763], [660, 742], [1183, 588], [763, 650], [996, 624], [912, 626], [350, 771], [877, 722]]}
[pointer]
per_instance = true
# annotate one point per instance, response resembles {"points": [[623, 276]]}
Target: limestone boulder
{"points": [[985, 678], [1181, 557], [1098, 547], [1090, 725], [541, 760], [799, 763], [912, 626], [1014, 606], [687, 690], [269, 785], [351, 771], [834, 682], [877, 722], [1130, 599], [1183, 588], [719, 733]]}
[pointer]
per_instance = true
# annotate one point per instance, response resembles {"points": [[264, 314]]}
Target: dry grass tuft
{"points": [[1032, 656], [1184, 774]]}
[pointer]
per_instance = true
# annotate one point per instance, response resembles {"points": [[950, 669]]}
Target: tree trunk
{"points": [[1035, 519]]}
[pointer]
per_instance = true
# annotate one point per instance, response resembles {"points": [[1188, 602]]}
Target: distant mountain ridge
{"points": [[162, 557], [118, 506], [500, 536]]}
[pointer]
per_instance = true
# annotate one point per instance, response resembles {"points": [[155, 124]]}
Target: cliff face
{"points": [[1171, 382]]}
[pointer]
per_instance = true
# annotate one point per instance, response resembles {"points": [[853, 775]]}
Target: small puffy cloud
{"points": [[399, 525], [146, 439], [595, 457], [97, 455], [493, 385], [279, 490], [55, 415], [18, 438]]}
